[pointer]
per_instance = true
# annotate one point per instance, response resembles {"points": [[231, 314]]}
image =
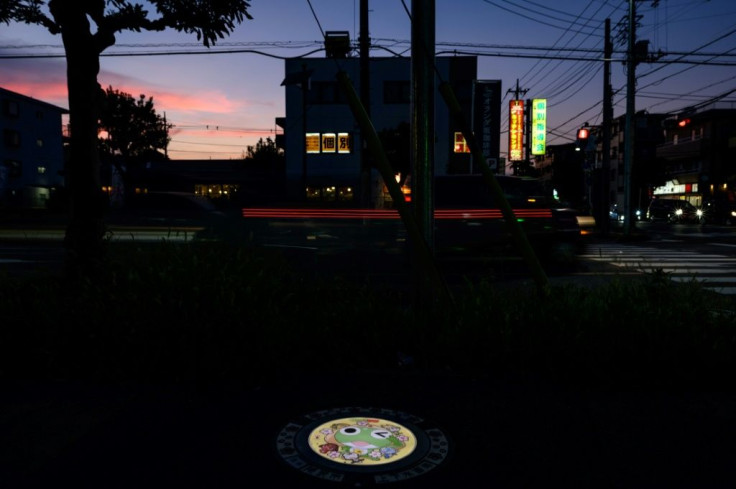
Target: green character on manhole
{"points": [[368, 441]]}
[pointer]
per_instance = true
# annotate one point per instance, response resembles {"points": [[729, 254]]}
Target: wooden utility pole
{"points": [[422, 127], [605, 175], [365, 98], [630, 113]]}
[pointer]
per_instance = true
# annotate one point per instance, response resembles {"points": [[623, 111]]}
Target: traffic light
{"points": [[582, 137]]}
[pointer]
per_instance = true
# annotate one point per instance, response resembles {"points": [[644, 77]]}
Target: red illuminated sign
{"points": [[516, 129]]}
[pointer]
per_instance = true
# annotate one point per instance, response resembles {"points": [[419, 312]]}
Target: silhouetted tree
{"points": [[87, 28], [135, 132], [266, 157]]}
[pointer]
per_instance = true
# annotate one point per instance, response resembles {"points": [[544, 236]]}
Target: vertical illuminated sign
{"points": [[312, 142], [516, 130], [539, 126], [487, 118]]}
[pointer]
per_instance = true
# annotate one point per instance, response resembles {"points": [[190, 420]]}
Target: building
{"points": [[32, 151], [323, 142], [699, 156]]}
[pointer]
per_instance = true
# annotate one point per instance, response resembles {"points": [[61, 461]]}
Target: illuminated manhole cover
{"points": [[361, 446]]}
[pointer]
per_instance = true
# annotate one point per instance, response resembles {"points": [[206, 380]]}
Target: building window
{"points": [[326, 92], [11, 138], [11, 108], [344, 143], [329, 142], [15, 168], [312, 142], [41, 170], [39, 142], [460, 146], [396, 92]]}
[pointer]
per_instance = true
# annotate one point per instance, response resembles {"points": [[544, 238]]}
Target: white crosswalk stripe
{"points": [[715, 271]]}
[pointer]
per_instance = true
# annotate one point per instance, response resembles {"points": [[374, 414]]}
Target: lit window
{"points": [[312, 142], [39, 142], [460, 145], [329, 193], [343, 142], [329, 142], [345, 193], [41, 170]]}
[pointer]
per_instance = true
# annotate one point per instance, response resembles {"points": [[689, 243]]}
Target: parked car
{"points": [[720, 212], [617, 214], [674, 210]]}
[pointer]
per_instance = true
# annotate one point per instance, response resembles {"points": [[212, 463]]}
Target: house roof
{"points": [[11, 94]]}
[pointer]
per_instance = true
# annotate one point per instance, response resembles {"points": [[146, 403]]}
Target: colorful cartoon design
{"points": [[366, 441]]}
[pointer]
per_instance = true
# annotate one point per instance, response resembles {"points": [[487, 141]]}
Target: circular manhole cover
{"points": [[361, 446]]}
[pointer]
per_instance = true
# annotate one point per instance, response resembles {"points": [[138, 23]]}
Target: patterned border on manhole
{"points": [[360, 446]]}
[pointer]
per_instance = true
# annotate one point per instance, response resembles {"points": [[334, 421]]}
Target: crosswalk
{"points": [[714, 271]]}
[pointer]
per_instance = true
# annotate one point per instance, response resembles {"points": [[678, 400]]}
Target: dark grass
{"points": [[206, 311]]}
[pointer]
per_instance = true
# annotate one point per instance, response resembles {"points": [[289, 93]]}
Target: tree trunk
{"points": [[86, 228]]}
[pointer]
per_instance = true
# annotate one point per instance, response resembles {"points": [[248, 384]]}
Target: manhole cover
{"points": [[361, 446]]}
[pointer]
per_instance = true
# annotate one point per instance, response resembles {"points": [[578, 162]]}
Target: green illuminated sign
{"points": [[539, 126]]}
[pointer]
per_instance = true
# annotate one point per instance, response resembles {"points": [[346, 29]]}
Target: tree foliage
{"points": [[133, 127], [87, 28], [264, 151]]}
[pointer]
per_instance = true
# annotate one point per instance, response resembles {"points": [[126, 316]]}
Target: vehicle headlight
{"points": [[699, 213], [733, 213], [678, 212]]}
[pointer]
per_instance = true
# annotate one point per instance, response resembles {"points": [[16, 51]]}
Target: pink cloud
{"points": [[42, 81]]}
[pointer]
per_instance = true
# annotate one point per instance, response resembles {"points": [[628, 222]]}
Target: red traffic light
{"points": [[583, 133]]}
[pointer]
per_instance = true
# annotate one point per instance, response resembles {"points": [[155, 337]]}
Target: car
{"points": [[467, 215], [617, 214], [720, 212], [674, 211], [167, 209]]}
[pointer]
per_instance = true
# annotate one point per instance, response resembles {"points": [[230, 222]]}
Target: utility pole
{"points": [[630, 112], [365, 94], [528, 132], [605, 180], [516, 91], [423, 127]]}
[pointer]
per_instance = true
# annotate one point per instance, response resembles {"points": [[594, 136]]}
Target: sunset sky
{"points": [[220, 103]]}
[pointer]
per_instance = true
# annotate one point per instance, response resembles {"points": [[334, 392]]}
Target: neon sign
{"points": [[539, 126], [516, 129]]}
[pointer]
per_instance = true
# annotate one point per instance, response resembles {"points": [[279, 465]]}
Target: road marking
{"points": [[711, 270]]}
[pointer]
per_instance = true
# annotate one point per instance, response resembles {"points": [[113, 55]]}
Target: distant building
{"points": [[699, 156], [323, 142], [31, 152]]}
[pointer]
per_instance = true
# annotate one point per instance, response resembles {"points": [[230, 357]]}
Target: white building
{"points": [[31, 152], [323, 141]]}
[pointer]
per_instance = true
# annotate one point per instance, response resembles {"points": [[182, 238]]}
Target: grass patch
{"points": [[208, 311]]}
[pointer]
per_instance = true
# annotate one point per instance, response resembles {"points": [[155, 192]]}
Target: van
{"points": [[469, 217]]}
